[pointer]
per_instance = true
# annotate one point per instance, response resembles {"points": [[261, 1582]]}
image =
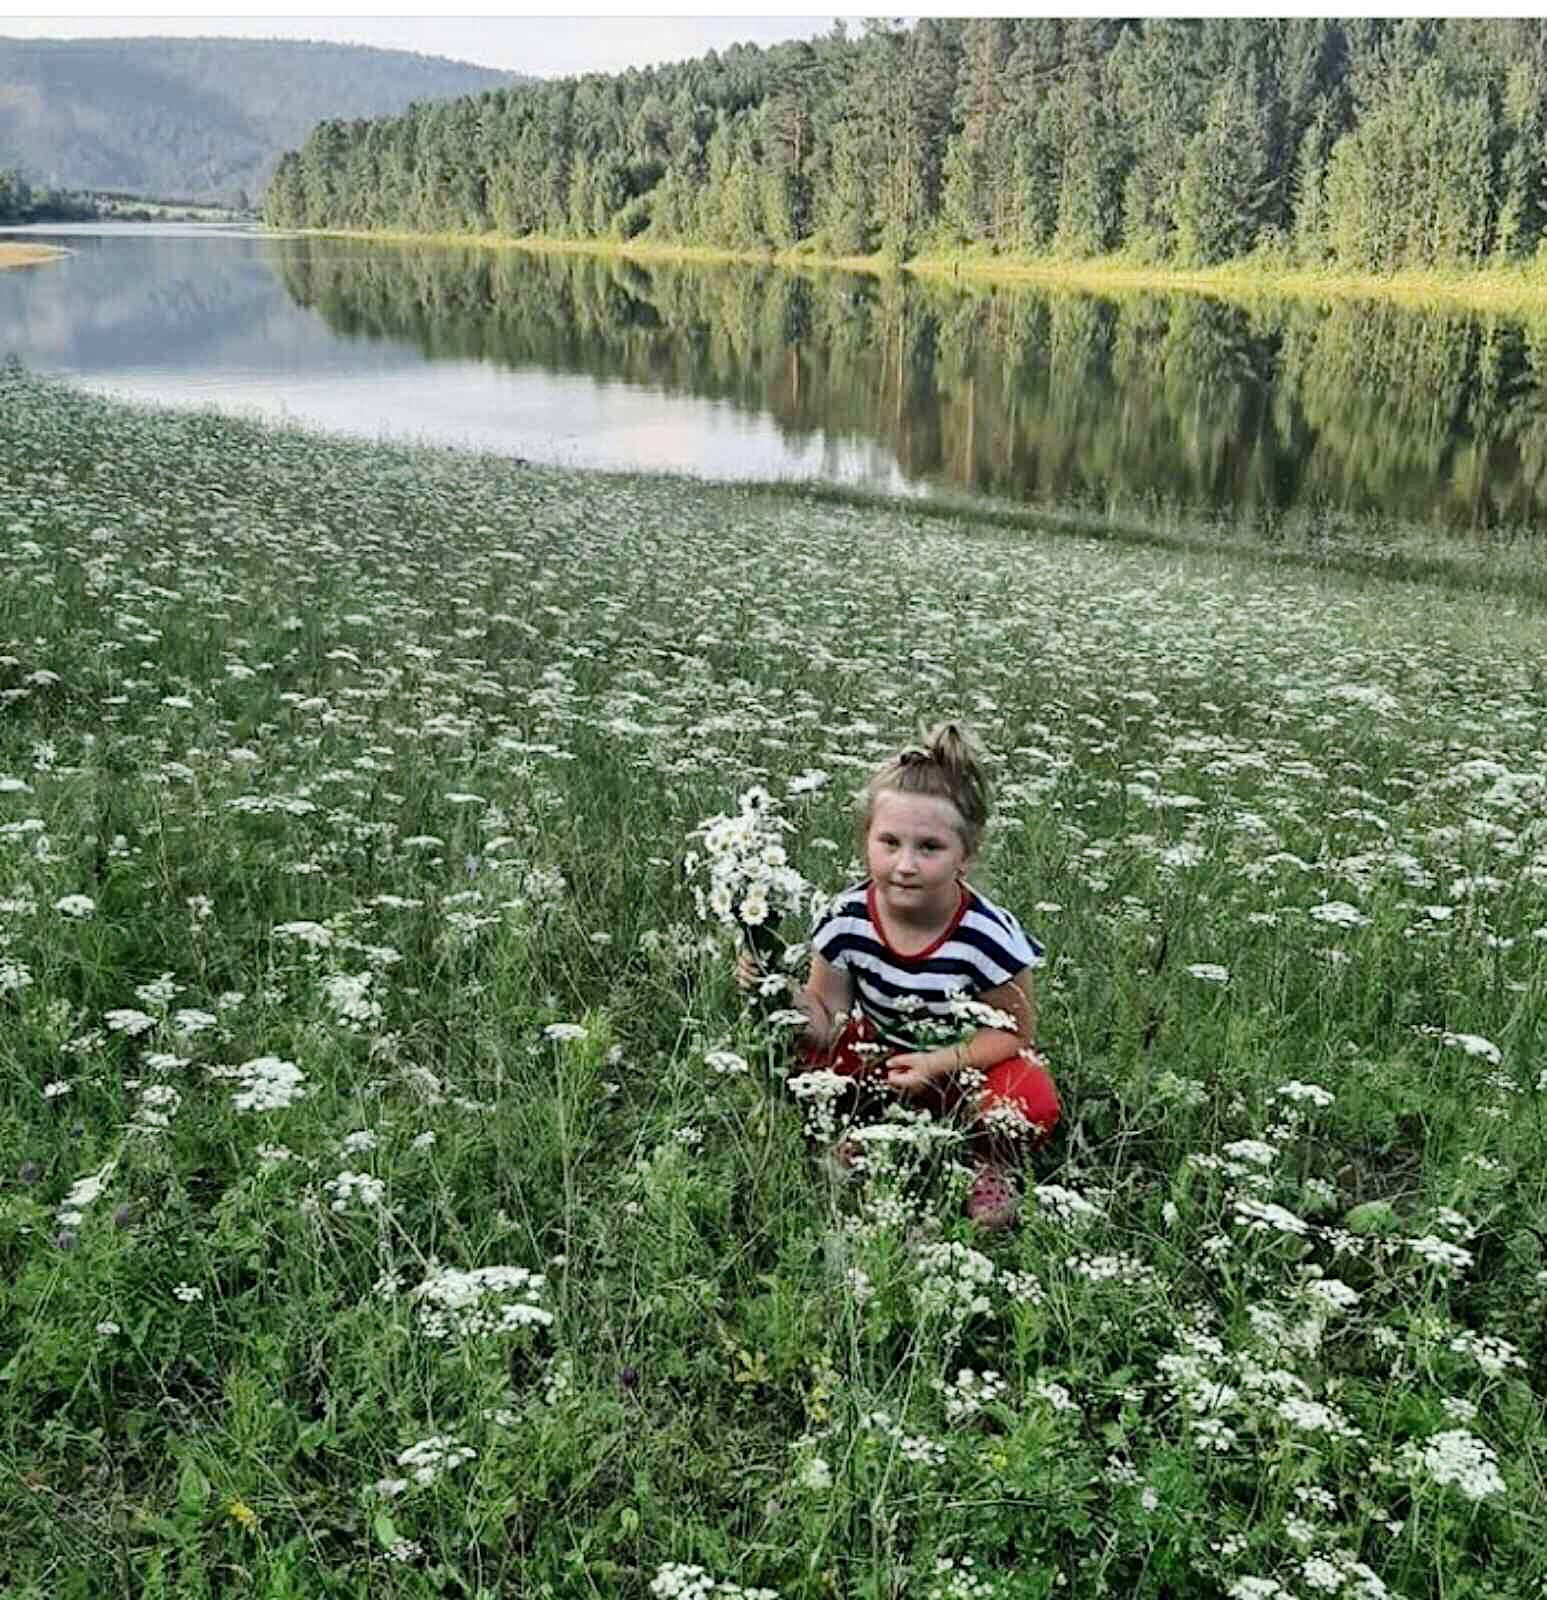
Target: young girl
{"points": [[908, 945]]}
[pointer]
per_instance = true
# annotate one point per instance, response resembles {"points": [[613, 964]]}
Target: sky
{"points": [[607, 40], [548, 46]]}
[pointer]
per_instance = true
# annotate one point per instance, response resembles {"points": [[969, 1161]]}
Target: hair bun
{"points": [[951, 745]]}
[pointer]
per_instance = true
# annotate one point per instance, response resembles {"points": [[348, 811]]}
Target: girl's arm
{"points": [[917, 1070], [826, 998]]}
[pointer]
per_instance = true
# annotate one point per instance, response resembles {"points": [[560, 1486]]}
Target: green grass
{"points": [[1517, 288], [383, 762]]}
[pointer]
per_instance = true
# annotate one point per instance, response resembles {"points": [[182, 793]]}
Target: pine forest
{"points": [[1369, 145]]}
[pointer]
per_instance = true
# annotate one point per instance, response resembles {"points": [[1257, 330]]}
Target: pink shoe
{"points": [[992, 1202]]}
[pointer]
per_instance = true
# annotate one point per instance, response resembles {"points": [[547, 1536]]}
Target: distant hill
{"points": [[195, 119]]}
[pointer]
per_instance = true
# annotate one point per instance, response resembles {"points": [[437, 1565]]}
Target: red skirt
{"points": [[1017, 1098]]}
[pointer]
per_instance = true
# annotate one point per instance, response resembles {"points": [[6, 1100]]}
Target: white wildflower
{"points": [[1065, 1204], [1253, 1151], [483, 1302], [968, 1392], [1338, 914], [1441, 1252], [1263, 1216], [1494, 1355], [158, 992], [432, 1457], [1474, 1045], [350, 1186], [84, 1192], [1306, 1093], [267, 1083], [1456, 1458], [127, 1021], [347, 993]]}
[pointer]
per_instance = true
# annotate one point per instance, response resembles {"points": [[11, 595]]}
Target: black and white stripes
{"points": [[982, 948]]}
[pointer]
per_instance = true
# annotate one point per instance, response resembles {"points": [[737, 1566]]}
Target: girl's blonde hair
{"points": [[948, 765]]}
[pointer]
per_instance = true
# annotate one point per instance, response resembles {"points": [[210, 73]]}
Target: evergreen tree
{"points": [[844, 204], [1082, 128], [932, 67], [322, 175], [1309, 220], [981, 155], [283, 202], [1227, 183], [1034, 68], [578, 210], [789, 142], [740, 210], [675, 212], [961, 215], [1521, 156], [1411, 185], [1161, 97], [1371, 142], [609, 194], [719, 156], [1310, 69]]}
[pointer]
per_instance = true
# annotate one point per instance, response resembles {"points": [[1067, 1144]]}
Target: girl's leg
{"points": [[851, 1055], [1014, 1112], [1018, 1108]]}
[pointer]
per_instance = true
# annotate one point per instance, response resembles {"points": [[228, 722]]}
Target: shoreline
{"points": [[1508, 581], [28, 255], [1521, 288]]}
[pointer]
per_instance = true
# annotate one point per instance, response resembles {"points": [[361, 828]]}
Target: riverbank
{"points": [[1521, 290], [393, 1159], [540, 244], [27, 255]]}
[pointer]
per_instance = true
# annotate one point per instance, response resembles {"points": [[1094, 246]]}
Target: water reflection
{"points": [[1247, 410], [1422, 416]]}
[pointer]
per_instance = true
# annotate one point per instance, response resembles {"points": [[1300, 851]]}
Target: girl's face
{"points": [[914, 852]]}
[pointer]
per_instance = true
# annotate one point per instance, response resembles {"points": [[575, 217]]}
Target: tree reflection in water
{"points": [[1353, 408]]}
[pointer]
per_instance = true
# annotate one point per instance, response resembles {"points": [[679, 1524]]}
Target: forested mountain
{"points": [[1371, 143], [194, 119]]}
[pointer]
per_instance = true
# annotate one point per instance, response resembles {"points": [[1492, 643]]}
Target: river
{"points": [[1344, 410]]}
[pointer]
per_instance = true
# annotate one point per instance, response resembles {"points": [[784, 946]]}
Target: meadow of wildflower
{"points": [[399, 1198]]}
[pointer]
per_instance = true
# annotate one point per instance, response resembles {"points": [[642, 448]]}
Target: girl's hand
{"points": [[748, 973], [910, 1074]]}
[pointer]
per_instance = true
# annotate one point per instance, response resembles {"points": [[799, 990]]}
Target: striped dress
{"points": [[981, 948]]}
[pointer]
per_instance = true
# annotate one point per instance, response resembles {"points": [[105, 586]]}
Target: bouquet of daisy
{"points": [[743, 878]]}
